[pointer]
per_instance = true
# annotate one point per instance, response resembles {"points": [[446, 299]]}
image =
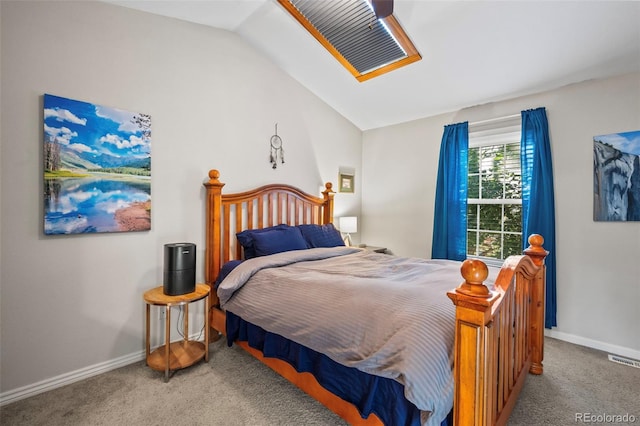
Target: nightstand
{"points": [[180, 354], [373, 248]]}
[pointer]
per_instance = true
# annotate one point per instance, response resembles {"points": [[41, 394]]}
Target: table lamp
{"points": [[348, 225]]}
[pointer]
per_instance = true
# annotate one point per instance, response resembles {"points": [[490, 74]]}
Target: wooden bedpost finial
{"points": [[213, 176], [328, 188], [327, 210], [474, 272], [536, 241], [535, 251]]}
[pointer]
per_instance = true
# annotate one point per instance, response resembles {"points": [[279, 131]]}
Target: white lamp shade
{"points": [[348, 224]]}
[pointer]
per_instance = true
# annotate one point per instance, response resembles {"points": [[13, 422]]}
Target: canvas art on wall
{"points": [[616, 177], [97, 168]]}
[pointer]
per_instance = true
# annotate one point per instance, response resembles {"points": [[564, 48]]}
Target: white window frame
{"points": [[500, 131]]}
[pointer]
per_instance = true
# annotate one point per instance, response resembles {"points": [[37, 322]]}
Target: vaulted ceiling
{"points": [[473, 52]]}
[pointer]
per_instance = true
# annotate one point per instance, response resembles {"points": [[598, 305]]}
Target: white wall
{"points": [[598, 263], [72, 302]]}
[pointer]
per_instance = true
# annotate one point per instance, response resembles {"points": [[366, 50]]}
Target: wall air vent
{"points": [[351, 32]]}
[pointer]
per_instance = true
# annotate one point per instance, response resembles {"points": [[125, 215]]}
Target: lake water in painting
{"points": [[87, 205]]}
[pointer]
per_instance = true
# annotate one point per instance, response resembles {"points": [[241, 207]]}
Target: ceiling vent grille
{"points": [[350, 31]]}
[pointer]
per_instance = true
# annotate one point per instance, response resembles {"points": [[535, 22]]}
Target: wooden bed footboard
{"points": [[499, 335], [499, 332]]}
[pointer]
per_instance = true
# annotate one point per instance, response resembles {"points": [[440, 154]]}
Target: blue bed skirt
{"points": [[370, 394]]}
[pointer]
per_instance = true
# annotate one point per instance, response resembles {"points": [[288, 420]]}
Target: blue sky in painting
{"points": [[628, 142], [90, 129]]}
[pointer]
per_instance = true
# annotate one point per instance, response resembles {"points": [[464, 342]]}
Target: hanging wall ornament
{"points": [[277, 152]]}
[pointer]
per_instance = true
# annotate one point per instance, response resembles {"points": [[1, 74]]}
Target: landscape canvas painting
{"points": [[616, 177], [97, 168]]}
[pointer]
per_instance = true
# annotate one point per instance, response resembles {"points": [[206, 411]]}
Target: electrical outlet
{"points": [[162, 313]]}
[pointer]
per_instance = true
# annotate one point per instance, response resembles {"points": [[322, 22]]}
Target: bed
{"points": [[491, 325]]}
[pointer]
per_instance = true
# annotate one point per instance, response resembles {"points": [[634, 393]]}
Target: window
{"points": [[494, 198], [351, 32]]}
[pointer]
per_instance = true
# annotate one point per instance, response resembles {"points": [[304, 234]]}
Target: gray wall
{"points": [[72, 302], [598, 263]]}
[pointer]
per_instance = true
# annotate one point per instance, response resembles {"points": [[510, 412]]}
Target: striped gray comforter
{"points": [[384, 315]]}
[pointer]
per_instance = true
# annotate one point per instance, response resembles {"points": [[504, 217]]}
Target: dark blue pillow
{"points": [[321, 235], [278, 240], [245, 238], [225, 270]]}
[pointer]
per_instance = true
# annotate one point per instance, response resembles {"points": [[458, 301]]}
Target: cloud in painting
{"points": [[80, 147], [123, 118], [134, 143], [64, 115], [62, 135]]}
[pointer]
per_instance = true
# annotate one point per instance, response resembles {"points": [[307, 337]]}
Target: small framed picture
{"points": [[346, 183]]}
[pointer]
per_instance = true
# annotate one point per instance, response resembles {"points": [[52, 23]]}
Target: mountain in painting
{"points": [[70, 159]]}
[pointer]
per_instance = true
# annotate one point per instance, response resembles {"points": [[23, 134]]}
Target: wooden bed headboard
{"points": [[258, 208]]}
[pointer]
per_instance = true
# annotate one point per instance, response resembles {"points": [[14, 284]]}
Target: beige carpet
{"points": [[235, 389]]}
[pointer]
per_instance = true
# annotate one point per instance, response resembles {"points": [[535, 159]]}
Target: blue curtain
{"points": [[450, 216], [538, 207]]}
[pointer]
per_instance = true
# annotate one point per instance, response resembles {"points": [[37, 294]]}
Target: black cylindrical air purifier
{"points": [[179, 268]]}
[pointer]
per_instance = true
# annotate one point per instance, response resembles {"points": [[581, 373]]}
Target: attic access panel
{"points": [[350, 31]]}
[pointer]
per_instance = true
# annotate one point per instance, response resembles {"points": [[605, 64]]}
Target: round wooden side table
{"points": [[180, 354]]}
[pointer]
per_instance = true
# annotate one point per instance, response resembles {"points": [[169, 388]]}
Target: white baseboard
{"points": [[595, 344], [68, 378], [75, 376]]}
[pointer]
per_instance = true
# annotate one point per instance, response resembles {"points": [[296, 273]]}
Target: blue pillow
{"points": [[321, 235], [278, 240], [225, 270], [245, 238]]}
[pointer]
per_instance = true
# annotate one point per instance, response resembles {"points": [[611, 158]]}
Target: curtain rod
{"points": [[492, 120]]}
